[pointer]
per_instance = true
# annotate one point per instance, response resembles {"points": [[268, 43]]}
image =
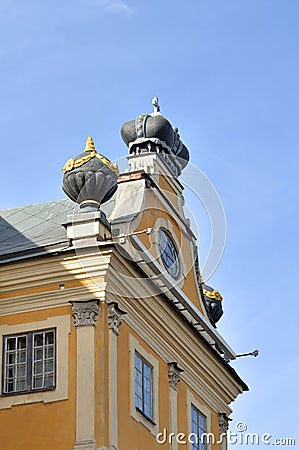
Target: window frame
{"points": [[30, 361], [151, 424], [205, 410], [164, 256], [176, 233], [199, 414], [142, 409]]}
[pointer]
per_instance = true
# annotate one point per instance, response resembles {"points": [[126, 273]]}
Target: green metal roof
{"points": [[36, 226]]}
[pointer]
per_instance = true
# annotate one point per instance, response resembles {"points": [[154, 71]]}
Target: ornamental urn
{"points": [[90, 179]]}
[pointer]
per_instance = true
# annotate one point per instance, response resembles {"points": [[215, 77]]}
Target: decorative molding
{"points": [[85, 313], [43, 272], [223, 422], [114, 317], [174, 374], [50, 299]]}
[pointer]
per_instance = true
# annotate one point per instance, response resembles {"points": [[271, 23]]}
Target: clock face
{"points": [[168, 253]]}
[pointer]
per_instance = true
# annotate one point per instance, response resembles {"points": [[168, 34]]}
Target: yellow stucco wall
{"points": [[133, 434], [41, 425]]}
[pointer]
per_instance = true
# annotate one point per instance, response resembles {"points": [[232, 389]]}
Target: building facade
{"points": [[108, 333]]}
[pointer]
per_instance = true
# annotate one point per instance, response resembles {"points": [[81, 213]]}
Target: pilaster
{"points": [[85, 318], [114, 321], [223, 421], [174, 377]]}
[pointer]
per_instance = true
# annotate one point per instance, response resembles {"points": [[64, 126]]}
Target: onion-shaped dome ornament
{"points": [[90, 179], [154, 133]]}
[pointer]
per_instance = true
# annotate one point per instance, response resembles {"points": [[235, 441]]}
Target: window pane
{"points": [[43, 363], [15, 368], [21, 385], [38, 354], [38, 368], [138, 362], [11, 344], [138, 381], [21, 356], [198, 428], [138, 402], [49, 339], [49, 380], [11, 371], [148, 411], [143, 386], [138, 377], [168, 253], [194, 416], [49, 366], [38, 340], [9, 386], [38, 382], [49, 352], [22, 342], [147, 371], [11, 358], [21, 371]]}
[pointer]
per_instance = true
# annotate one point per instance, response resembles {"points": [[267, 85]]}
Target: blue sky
{"points": [[226, 73]]}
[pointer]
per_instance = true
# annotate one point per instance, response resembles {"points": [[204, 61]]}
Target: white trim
{"points": [[62, 324], [134, 346]]}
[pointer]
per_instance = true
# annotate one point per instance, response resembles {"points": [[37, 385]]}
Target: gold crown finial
{"points": [[89, 146], [215, 295]]}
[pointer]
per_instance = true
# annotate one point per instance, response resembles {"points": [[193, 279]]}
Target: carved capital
{"points": [[174, 374], [85, 313], [223, 423], [114, 317]]}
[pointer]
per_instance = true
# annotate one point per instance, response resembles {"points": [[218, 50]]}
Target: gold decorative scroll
{"points": [[215, 295], [75, 163]]}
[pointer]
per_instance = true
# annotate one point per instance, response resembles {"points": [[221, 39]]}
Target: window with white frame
{"points": [[199, 429], [29, 362], [143, 382], [144, 386]]}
